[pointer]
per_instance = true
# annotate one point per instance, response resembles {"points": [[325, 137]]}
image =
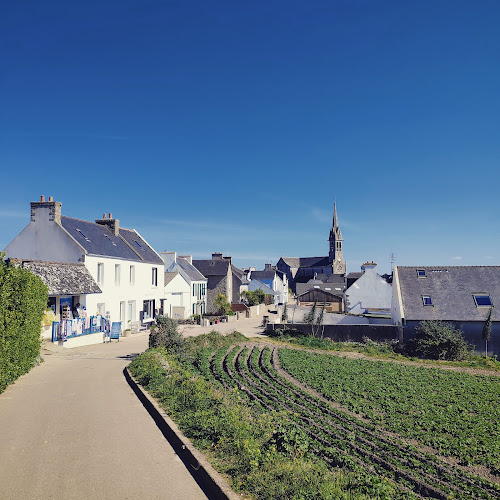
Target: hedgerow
{"points": [[23, 298]]}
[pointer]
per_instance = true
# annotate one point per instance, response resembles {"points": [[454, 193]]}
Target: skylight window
{"points": [[139, 245], [80, 231], [482, 300], [421, 273], [112, 242], [427, 300]]}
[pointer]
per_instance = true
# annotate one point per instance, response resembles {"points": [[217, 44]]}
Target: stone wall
{"points": [[215, 285]]}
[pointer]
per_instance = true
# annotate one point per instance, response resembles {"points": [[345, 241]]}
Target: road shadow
{"points": [[131, 356]]}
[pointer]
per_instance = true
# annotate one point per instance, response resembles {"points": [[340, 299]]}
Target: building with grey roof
{"points": [[459, 295], [102, 266], [302, 269]]}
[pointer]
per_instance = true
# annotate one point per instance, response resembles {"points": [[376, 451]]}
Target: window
{"points": [[427, 300], [131, 310], [80, 232], [112, 242], [100, 273], [148, 309], [101, 309], [482, 300], [132, 275], [154, 277], [139, 245], [194, 288], [421, 273], [117, 274]]}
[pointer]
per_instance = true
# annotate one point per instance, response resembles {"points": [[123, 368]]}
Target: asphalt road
{"points": [[72, 428]]}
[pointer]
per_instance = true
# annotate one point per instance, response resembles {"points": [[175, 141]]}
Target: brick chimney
{"points": [[46, 211], [112, 224]]}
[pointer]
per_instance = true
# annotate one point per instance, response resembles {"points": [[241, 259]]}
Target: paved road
{"points": [[73, 429]]}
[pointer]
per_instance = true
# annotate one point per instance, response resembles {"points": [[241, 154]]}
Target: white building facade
{"points": [[127, 270]]}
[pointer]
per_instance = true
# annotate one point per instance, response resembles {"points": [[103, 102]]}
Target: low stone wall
{"points": [[345, 333]]}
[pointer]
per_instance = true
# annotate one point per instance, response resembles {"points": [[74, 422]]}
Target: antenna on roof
{"points": [[392, 260]]}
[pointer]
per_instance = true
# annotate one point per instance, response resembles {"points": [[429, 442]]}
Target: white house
{"points": [[274, 279], [196, 303], [369, 292], [255, 285], [177, 295], [126, 270]]}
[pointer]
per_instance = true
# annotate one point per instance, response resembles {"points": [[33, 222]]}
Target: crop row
{"points": [[338, 438]]}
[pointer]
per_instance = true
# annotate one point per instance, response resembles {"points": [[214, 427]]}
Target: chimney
{"points": [[217, 256], [189, 258], [268, 267], [112, 224], [368, 265], [45, 211], [228, 258], [168, 258]]}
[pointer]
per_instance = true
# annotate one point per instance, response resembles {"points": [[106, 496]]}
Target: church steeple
{"points": [[335, 255]]}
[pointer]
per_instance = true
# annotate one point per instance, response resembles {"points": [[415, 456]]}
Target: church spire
{"points": [[335, 255]]}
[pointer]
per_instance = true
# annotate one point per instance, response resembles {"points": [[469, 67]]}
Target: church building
{"points": [[328, 269]]}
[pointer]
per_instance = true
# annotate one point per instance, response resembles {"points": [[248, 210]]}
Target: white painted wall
{"points": [[43, 239], [176, 293], [370, 291], [125, 292], [397, 312]]}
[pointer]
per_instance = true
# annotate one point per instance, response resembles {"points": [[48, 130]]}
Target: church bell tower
{"points": [[335, 255]]}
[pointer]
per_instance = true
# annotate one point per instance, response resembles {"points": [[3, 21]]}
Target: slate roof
{"points": [[61, 278], [256, 284], [169, 276], [209, 267], [331, 278], [307, 261], [451, 290], [97, 239], [190, 270], [331, 288], [355, 275], [263, 275]]}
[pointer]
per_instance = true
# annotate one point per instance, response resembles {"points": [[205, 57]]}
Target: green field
{"points": [[285, 423]]}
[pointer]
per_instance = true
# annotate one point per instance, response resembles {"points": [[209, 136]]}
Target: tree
{"points": [[319, 321], [309, 317], [487, 330], [221, 304], [284, 314]]}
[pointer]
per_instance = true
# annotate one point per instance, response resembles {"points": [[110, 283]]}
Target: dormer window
{"points": [[427, 300], [81, 233], [421, 273], [482, 300]]}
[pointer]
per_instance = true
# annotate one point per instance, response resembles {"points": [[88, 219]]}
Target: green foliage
{"points": [[455, 413], [253, 298], [487, 330], [165, 334], [221, 304], [438, 340], [23, 298], [311, 315]]}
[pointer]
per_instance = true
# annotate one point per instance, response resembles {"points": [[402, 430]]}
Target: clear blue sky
{"points": [[233, 126]]}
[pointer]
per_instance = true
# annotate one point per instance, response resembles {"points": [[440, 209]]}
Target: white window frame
{"points": [[117, 274], [482, 295], [100, 273], [131, 276], [154, 276]]}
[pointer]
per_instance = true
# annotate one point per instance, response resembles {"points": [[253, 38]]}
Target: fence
{"points": [[70, 328]]}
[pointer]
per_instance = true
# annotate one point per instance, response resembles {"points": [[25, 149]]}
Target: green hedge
{"points": [[23, 299]]}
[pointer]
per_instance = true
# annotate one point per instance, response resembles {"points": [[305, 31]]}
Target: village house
{"points": [[195, 303], [370, 293], [276, 280], [462, 296], [222, 277], [105, 269]]}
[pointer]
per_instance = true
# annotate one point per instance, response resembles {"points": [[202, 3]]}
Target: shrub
{"points": [[166, 335], [438, 340], [23, 298], [221, 304]]}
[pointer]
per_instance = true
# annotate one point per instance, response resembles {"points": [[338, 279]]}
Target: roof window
{"points": [[482, 300], [139, 245], [80, 231], [112, 242], [427, 300], [421, 273]]}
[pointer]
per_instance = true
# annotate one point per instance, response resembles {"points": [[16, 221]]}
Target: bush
{"points": [[23, 298], [165, 334], [221, 304], [438, 340]]}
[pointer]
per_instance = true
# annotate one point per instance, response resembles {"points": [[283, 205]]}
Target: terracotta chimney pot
{"points": [[110, 216], [50, 198], [42, 198], [103, 216]]}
